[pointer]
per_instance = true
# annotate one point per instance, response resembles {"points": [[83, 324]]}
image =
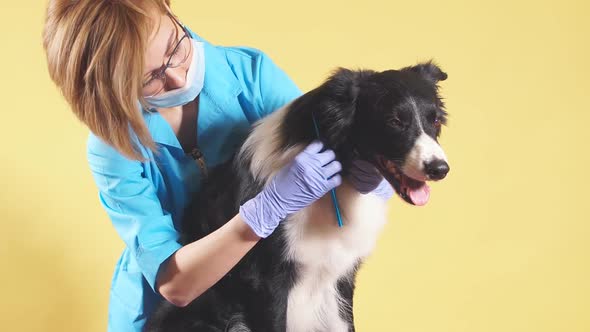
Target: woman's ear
{"points": [[429, 71]]}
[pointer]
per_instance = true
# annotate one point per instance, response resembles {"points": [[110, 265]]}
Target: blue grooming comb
{"points": [[333, 191]]}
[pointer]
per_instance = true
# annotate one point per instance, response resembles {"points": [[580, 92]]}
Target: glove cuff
{"points": [[261, 214]]}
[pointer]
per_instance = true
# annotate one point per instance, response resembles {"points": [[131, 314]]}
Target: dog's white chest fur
{"points": [[326, 252]]}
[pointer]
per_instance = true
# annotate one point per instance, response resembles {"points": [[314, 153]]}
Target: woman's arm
{"points": [[197, 266], [179, 273], [265, 85]]}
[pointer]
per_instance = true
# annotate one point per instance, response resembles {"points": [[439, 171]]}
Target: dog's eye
{"points": [[437, 126], [396, 122], [437, 123]]}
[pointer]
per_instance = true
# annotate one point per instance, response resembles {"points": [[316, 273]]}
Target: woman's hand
{"points": [[308, 177], [366, 178]]}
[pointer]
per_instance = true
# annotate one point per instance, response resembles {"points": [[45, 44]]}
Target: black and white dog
{"points": [[301, 278]]}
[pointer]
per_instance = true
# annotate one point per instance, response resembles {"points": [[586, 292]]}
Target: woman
{"points": [[163, 106]]}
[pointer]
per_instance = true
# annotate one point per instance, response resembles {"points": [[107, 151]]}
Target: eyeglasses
{"points": [[155, 82]]}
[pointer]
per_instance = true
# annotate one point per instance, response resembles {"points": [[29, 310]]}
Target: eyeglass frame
{"points": [[161, 74]]}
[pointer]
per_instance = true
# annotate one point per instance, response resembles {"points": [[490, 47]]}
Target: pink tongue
{"points": [[420, 195]]}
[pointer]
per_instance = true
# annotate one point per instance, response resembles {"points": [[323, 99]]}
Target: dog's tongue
{"points": [[420, 195]]}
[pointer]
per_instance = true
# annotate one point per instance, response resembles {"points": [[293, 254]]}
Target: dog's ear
{"points": [[340, 93], [332, 105], [429, 71], [339, 105]]}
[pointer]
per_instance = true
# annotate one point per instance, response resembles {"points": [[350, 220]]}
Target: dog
{"points": [[302, 277]]}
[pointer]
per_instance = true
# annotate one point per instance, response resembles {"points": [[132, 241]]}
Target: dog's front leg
{"points": [[346, 292]]}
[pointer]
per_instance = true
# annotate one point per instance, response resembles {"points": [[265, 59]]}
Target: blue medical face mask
{"points": [[195, 78]]}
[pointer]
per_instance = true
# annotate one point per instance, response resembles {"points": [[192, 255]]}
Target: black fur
{"points": [[360, 114]]}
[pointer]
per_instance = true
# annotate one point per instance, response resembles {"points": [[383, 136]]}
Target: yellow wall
{"points": [[502, 245]]}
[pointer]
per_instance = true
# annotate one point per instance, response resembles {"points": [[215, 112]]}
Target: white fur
{"points": [[324, 251], [262, 144], [327, 252], [425, 150]]}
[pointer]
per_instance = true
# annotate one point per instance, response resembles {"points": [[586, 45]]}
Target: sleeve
{"points": [[131, 203], [276, 87], [265, 86]]}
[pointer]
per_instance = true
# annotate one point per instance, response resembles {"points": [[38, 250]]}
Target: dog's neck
{"points": [[279, 137]]}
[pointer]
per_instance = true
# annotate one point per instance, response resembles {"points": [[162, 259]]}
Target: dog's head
{"points": [[391, 119]]}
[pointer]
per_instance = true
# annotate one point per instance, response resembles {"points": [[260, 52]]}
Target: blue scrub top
{"points": [[146, 200]]}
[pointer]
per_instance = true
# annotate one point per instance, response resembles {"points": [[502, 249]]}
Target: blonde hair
{"points": [[95, 54]]}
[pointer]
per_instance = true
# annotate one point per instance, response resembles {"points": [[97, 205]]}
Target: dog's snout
{"points": [[436, 169]]}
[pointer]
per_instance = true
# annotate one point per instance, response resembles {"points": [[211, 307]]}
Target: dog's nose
{"points": [[436, 169]]}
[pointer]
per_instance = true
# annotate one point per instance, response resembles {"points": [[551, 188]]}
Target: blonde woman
{"points": [[163, 106]]}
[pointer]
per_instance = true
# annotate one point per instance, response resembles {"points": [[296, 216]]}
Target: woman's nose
{"points": [[175, 78]]}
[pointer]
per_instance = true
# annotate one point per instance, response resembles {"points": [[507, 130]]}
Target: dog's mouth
{"points": [[413, 191]]}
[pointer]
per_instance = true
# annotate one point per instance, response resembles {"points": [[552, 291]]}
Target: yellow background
{"points": [[503, 244]]}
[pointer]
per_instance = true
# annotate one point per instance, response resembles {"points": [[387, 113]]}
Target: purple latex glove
{"points": [[308, 177], [367, 179]]}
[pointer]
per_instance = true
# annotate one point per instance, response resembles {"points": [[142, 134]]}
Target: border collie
{"points": [[302, 277]]}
